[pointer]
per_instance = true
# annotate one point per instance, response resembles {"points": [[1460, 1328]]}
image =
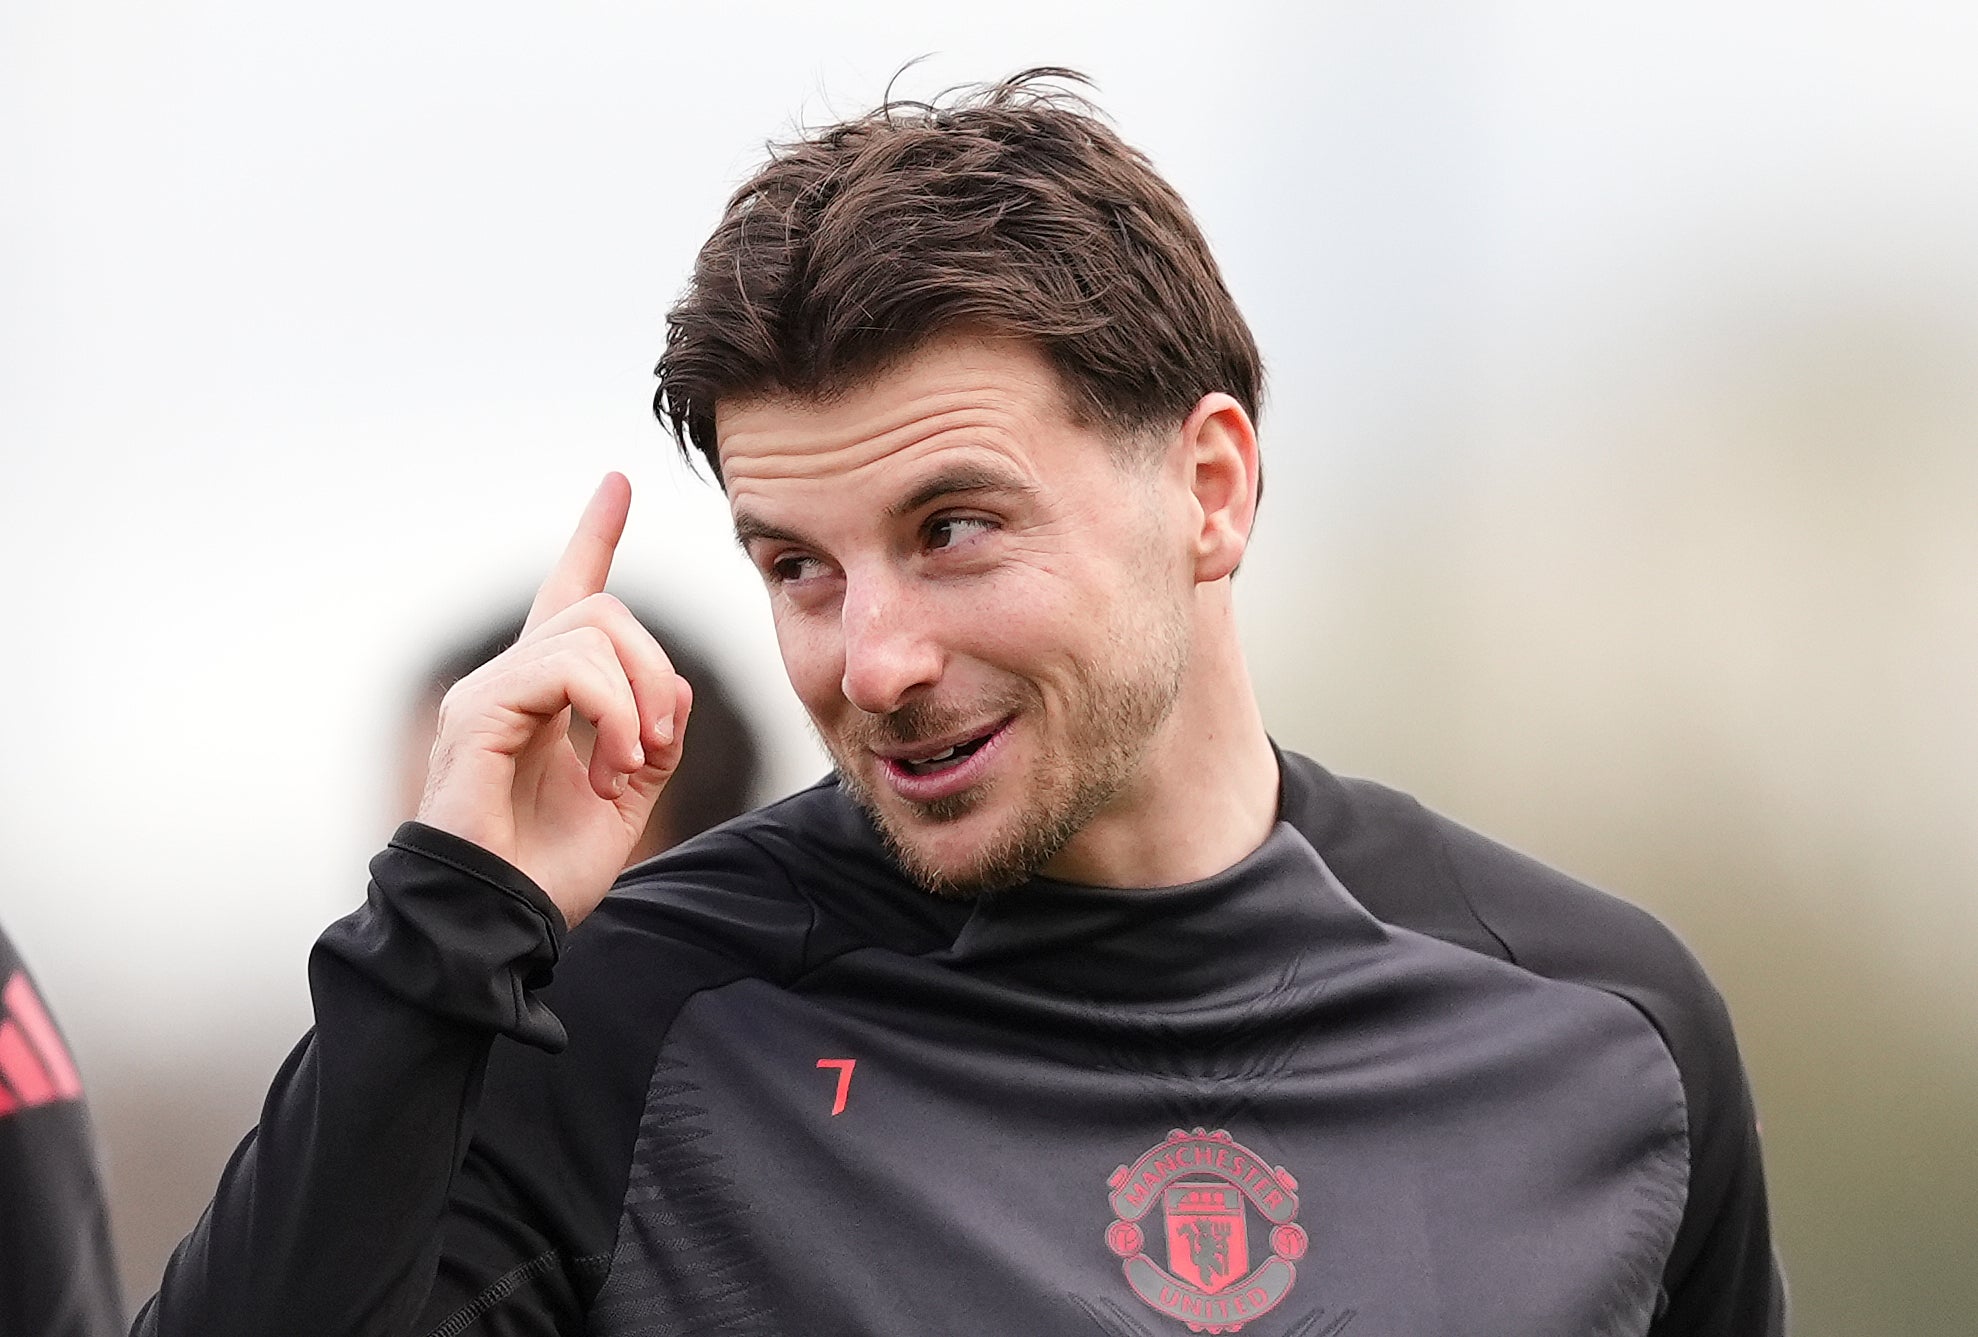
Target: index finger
{"points": [[580, 572]]}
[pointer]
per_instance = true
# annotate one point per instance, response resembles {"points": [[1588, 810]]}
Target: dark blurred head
{"points": [[719, 768], [1009, 210]]}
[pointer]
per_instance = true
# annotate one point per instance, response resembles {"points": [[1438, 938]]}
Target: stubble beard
{"points": [[1111, 718]]}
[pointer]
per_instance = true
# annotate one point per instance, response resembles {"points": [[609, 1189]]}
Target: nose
{"points": [[891, 650]]}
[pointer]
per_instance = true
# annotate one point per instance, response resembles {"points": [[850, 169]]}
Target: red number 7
{"points": [[844, 1067]]}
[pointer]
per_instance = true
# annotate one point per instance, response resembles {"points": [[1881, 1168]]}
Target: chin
{"points": [[978, 848], [947, 853]]}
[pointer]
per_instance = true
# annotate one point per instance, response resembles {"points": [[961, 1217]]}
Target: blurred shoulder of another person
{"points": [[58, 1272], [720, 768]]}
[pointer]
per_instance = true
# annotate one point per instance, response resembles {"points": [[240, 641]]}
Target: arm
{"points": [[328, 1219], [1723, 1279], [58, 1275], [347, 1211]]}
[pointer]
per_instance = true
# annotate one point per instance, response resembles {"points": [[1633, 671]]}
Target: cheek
{"points": [[1041, 632], [813, 659]]}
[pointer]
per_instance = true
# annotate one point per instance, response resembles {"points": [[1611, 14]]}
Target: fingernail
{"points": [[638, 757], [662, 729], [618, 785]]}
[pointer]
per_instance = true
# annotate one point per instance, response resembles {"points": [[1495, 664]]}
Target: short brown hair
{"points": [[1008, 208]]}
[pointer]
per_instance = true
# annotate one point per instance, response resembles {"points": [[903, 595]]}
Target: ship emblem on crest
{"points": [[1207, 1185]]}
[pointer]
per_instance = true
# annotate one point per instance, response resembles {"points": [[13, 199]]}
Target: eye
{"points": [[792, 568], [948, 531]]}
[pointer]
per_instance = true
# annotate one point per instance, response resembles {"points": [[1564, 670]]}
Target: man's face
{"points": [[984, 610]]}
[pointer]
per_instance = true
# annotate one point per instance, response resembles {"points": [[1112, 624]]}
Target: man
{"points": [[58, 1272], [1070, 1005]]}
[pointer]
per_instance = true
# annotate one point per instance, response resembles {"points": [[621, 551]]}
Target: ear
{"points": [[1219, 446]]}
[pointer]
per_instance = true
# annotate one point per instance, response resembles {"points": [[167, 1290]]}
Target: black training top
{"points": [[1382, 1078], [58, 1276]]}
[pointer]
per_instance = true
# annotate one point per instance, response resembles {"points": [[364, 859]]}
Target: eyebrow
{"points": [[749, 530], [954, 480], [960, 478]]}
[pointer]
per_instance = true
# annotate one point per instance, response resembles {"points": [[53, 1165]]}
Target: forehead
{"points": [[961, 396]]}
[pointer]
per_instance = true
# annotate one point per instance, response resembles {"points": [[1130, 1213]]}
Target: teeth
{"points": [[933, 761]]}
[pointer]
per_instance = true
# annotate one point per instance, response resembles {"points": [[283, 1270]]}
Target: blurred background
{"points": [[1622, 440]]}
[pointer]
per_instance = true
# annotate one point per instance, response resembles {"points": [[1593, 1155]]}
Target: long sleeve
{"points": [[1725, 1279], [58, 1274], [331, 1215]]}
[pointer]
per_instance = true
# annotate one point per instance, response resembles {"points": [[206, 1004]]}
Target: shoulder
{"points": [[729, 892], [60, 1264], [769, 896], [737, 903], [772, 894], [1418, 870], [787, 887]]}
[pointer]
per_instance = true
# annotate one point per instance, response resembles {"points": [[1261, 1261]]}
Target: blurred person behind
{"points": [[58, 1271], [723, 769]]}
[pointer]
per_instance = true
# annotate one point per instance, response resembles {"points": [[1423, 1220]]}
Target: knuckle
{"points": [[455, 702], [606, 607], [588, 665], [593, 640], [582, 651]]}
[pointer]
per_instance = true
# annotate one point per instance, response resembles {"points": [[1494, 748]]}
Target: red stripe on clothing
{"points": [[21, 1068], [27, 1009]]}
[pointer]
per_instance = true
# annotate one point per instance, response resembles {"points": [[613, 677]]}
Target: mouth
{"points": [[932, 763], [926, 772]]}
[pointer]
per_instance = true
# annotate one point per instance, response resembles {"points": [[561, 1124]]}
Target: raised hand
{"points": [[504, 773]]}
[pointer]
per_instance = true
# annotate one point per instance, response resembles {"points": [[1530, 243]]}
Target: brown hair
{"points": [[1008, 208]]}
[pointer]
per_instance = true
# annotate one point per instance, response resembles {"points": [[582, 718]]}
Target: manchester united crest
{"points": [[1209, 1189]]}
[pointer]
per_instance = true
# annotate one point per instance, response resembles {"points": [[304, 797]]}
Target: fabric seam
{"points": [[790, 881], [1662, 1039], [500, 1289]]}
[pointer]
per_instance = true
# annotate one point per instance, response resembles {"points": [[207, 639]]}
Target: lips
{"points": [[932, 771]]}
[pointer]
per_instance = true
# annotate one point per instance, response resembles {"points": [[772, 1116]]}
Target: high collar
{"points": [[1255, 921]]}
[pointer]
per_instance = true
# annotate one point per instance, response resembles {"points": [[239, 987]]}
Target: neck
{"points": [[1207, 792]]}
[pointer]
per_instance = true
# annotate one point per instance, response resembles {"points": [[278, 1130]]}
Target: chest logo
{"points": [[1209, 1189]]}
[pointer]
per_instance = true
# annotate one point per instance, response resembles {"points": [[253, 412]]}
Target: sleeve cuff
{"points": [[456, 932], [464, 856]]}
